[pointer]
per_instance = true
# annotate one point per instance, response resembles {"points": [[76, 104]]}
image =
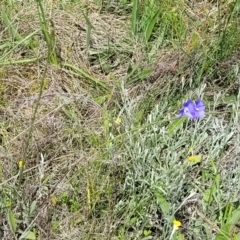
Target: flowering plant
{"points": [[192, 109]]}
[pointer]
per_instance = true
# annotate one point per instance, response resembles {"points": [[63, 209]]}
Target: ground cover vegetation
{"points": [[93, 145]]}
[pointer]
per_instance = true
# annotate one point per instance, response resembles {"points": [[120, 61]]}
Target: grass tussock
{"points": [[90, 143]]}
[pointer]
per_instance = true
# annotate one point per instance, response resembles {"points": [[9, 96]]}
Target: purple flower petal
{"points": [[185, 109], [199, 114], [200, 105], [181, 112], [192, 110], [189, 109]]}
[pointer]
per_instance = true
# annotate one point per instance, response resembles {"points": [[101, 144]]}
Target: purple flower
{"points": [[193, 110]]}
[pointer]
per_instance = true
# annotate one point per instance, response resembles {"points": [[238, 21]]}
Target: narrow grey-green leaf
{"points": [[29, 235], [12, 221], [176, 125], [163, 204]]}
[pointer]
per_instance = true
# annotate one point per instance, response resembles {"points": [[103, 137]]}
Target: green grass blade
{"points": [[86, 75], [228, 228], [49, 35], [18, 44], [140, 76], [89, 29], [134, 17], [151, 25], [21, 61], [10, 27]]}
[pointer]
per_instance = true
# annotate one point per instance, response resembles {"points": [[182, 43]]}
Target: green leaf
{"points": [[225, 232], [101, 99], [176, 125], [89, 29], [133, 220], [140, 76], [151, 25], [80, 72], [162, 202], [207, 196], [147, 232], [180, 236], [12, 221], [211, 191], [33, 207], [235, 218], [29, 235], [196, 159], [134, 16], [9, 25]]}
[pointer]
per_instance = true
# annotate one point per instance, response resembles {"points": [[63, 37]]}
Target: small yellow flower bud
{"points": [[176, 224], [191, 158], [20, 163], [118, 120]]}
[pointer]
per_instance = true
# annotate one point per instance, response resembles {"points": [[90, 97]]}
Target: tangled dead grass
{"points": [[67, 118], [69, 126]]}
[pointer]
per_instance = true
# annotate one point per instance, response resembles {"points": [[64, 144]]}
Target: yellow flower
{"points": [[191, 158], [176, 225], [20, 163], [118, 120]]}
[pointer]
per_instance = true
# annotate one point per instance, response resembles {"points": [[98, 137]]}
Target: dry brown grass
{"points": [[71, 169], [67, 117]]}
